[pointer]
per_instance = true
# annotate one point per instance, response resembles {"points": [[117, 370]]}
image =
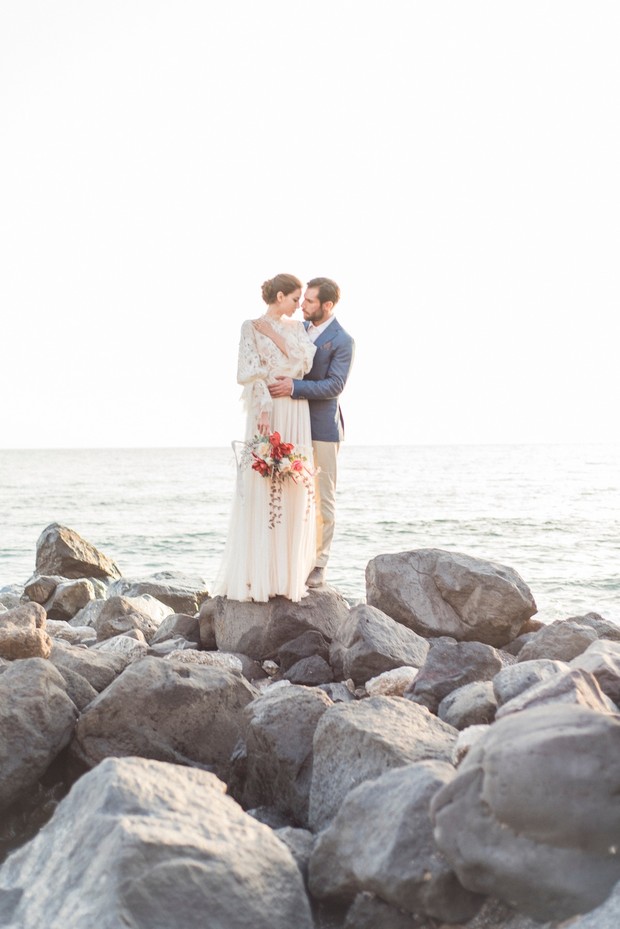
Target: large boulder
{"points": [[153, 846], [261, 629], [36, 722], [356, 742], [274, 767], [178, 624], [69, 597], [120, 615], [471, 705], [381, 840], [532, 815], [373, 643], [22, 633], [63, 552], [169, 711], [181, 593], [573, 686], [515, 678], [450, 665], [437, 593]]}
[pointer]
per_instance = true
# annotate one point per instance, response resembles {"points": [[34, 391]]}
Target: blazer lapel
{"points": [[328, 334]]}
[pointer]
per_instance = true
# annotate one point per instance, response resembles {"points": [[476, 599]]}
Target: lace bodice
{"points": [[261, 361]]}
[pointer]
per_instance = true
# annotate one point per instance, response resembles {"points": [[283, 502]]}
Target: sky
{"points": [[454, 165]]}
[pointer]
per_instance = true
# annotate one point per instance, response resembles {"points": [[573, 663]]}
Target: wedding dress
{"points": [[262, 561]]}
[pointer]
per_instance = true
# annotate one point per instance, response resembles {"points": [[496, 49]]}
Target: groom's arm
{"points": [[331, 386]]}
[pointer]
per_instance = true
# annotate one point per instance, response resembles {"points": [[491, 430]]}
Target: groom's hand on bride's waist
{"points": [[281, 387]]}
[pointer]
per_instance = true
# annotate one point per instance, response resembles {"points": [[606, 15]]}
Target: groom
{"points": [[322, 387]]}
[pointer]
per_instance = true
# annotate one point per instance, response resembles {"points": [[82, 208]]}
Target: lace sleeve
{"points": [[252, 371], [301, 349]]}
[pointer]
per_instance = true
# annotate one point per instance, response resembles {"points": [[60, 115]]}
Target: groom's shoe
{"points": [[316, 578]]}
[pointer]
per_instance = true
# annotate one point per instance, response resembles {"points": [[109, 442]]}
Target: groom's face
{"points": [[314, 311]]}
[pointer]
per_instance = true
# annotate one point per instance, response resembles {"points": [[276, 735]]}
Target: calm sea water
{"points": [[550, 512]]}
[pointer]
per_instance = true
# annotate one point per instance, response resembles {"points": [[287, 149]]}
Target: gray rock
{"points": [[381, 840], [370, 912], [602, 659], [375, 643], [514, 679], [435, 592], [532, 815], [261, 629], [22, 633], [313, 670], [307, 645], [562, 640], [61, 551], [206, 622], [178, 624], [131, 647], [11, 596], [89, 614], [604, 628], [181, 593], [338, 693], [120, 616], [452, 665], [98, 668], [577, 687], [471, 705], [69, 597], [356, 742], [74, 635], [36, 722], [169, 711], [514, 647], [605, 916], [299, 842], [152, 846], [277, 760], [170, 645], [78, 689]]}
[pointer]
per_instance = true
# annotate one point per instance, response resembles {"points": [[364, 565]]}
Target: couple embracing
{"points": [[293, 373]]}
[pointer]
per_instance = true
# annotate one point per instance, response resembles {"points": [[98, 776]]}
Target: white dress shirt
{"points": [[315, 331]]}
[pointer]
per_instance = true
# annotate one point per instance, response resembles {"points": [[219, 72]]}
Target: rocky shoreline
{"points": [[434, 757]]}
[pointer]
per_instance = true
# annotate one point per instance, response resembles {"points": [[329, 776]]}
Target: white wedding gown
{"points": [[261, 561]]}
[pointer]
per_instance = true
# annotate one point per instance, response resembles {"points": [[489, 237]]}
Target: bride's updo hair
{"points": [[286, 283]]}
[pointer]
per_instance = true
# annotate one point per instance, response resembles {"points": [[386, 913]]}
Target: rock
{"points": [[370, 912], [152, 846], [436, 593], [451, 665], [167, 710], [604, 628], [36, 722], [339, 693], [381, 840], [276, 759], [562, 640], [22, 633], [391, 683], [471, 705], [40, 588], [132, 649], [206, 622], [78, 688], [356, 742], [577, 687], [261, 629], [212, 659], [61, 551], [602, 659], [181, 593], [307, 645], [98, 668], [178, 624], [532, 815], [466, 739], [513, 648], [89, 614], [119, 616], [178, 644], [375, 643], [299, 842], [313, 670], [74, 635], [69, 597], [516, 678], [495, 914], [605, 916], [11, 596]]}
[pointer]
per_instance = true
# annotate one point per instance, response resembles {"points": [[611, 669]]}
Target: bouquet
{"points": [[272, 458]]}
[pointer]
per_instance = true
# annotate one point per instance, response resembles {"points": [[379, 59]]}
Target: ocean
{"points": [[550, 512]]}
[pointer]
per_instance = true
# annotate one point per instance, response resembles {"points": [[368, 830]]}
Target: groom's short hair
{"points": [[328, 289]]}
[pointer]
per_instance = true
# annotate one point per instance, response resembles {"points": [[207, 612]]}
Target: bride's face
{"points": [[290, 302]]}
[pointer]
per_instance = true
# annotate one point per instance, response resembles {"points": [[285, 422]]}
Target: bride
{"points": [[264, 558]]}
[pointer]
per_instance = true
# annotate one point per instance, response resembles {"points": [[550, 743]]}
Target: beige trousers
{"points": [[325, 458]]}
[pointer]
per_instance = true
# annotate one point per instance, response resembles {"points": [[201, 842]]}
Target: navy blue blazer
{"points": [[325, 381]]}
